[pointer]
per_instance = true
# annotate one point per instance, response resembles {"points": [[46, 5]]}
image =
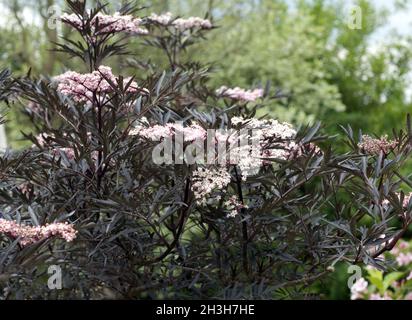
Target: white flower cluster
{"points": [[29, 235], [206, 180], [166, 19], [270, 139], [83, 87], [170, 130]]}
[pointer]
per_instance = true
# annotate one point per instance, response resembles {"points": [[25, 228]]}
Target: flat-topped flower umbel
{"points": [[82, 87], [107, 23]]}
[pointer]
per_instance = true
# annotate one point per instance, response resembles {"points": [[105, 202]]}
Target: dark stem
{"points": [[245, 237], [99, 172]]}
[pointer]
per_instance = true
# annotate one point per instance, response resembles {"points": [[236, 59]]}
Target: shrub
{"points": [[119, 161]]}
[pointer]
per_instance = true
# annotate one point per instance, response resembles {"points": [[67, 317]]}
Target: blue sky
{"points": [[400, 21]]}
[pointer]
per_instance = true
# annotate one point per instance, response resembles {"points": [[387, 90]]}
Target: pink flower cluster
{"points": [[255, 141], [82, 86], [374, 146], [108, 23], [402, 253], [181, 24], [358, 289], [240, 94], [397, 288], [29, 235], [164, 19], [377, 296], [234, 206]]}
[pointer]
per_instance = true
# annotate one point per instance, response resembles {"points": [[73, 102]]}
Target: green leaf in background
{"points": [[391, 278], [376, 278]]}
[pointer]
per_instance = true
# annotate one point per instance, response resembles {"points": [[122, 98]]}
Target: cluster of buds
{"points": [[374, 146], [167, 20]]}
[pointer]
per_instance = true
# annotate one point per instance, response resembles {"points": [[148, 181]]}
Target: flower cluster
{"points": [[240, 94], [108, 23], [207, 180], [271, 139], [181, 24], [298, 150], [164, 19], [358, 289], [402, 254], [82, 87], [170, 130], [234, 206], [392, 286], [374, 146], [249, 146], [29, 235], [191, 23], [267, 128]]}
